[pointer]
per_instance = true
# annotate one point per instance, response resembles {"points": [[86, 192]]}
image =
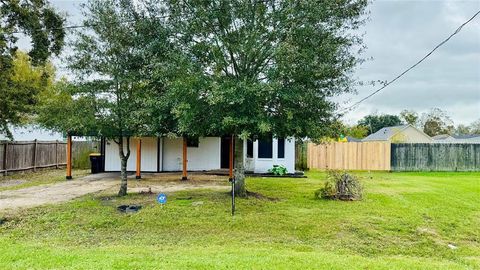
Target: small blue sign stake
{"points": [[162, 198]]}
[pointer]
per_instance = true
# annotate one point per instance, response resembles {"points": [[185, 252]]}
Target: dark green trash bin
{"points": [[96, 163]]}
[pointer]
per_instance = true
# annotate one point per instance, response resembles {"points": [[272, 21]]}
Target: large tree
{"points": [[376, 122], [475, 127], [437, 122], [409, 117], [43, 25], [357, 131], [462, 129], [343, 130], [268, 67], [120, 67], [26, 84]]}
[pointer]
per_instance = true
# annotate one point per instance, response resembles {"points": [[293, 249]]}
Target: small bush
{"points": [[340, 186], [278, 170]]}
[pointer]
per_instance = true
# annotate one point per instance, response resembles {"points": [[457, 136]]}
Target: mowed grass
{"points": [[406, 221]]}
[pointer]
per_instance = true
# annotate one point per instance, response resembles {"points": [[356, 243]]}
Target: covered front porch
{"points": [[166, 156], [213, 155]]}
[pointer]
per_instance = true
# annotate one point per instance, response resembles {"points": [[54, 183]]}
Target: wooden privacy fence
{"points": [[394, 157], [31, 155], [349, 156], [435, 157]]}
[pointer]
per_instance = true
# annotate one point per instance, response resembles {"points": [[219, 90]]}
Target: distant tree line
{"points": [[433, 122]]}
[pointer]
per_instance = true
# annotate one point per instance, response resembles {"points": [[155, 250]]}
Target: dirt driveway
{"points": [[68, 190]]}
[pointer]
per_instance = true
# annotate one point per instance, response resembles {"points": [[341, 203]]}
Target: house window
{"points": [[249, 148], [281, 148], [265, 148], [192, 142]]}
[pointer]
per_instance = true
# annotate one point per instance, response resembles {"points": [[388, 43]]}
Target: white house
{"points": [[204, 154]]}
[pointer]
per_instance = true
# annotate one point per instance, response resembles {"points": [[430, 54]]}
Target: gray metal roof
{"points": [[465, 136], [385, 133], [459, 138], [442, 137], [353, 139]]}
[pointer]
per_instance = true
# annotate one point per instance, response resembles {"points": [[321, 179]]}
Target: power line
{"points": [[411, 67]]}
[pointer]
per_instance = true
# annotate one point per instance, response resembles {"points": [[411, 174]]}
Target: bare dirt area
{"points": [[10, 200], [21, 180], [170, 182], [12, 182]]}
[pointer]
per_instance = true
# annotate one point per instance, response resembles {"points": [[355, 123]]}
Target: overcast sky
{"points": [[398, 34]]}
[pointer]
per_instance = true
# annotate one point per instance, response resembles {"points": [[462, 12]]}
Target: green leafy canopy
{"points": [[20, 82], [267, 66]]}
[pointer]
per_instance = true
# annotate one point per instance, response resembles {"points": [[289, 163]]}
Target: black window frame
{"points": [[249, 148], [193, 142], [261, 153], [281, 151]]}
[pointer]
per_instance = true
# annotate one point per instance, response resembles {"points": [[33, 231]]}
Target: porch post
{"points": [[69, 157], [184, 161], [139, 159], [230, 159]]}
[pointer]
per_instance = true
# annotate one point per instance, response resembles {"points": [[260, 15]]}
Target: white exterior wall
{"points": [[262, 165], [148, 159], [249, 163], [149, 155], [204, 157]]}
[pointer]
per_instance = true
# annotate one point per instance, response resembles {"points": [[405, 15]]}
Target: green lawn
{"points": [[405, 221]]}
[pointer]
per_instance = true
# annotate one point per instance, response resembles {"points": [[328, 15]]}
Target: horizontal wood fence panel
{"points": [[435, 157], [349, 156], [30, 155], [19, 156]]}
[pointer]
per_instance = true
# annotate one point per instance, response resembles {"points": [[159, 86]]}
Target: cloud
{"points": [[398, 34]]}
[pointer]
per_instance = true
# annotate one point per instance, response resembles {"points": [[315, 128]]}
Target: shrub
{"points": [[278, 170], [340, 186]]}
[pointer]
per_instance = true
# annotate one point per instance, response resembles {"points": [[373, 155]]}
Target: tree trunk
{"points": [[123, 173], [123, 170], [240, 189]]}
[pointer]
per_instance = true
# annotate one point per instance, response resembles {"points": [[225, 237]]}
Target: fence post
{"points": [[56, 154], [35, 155], [5, 159], [69, 157]]}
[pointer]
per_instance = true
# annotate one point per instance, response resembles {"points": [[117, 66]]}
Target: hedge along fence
{"points": [[81, 151], [394, 157], [32, 155], [435, 157]]}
